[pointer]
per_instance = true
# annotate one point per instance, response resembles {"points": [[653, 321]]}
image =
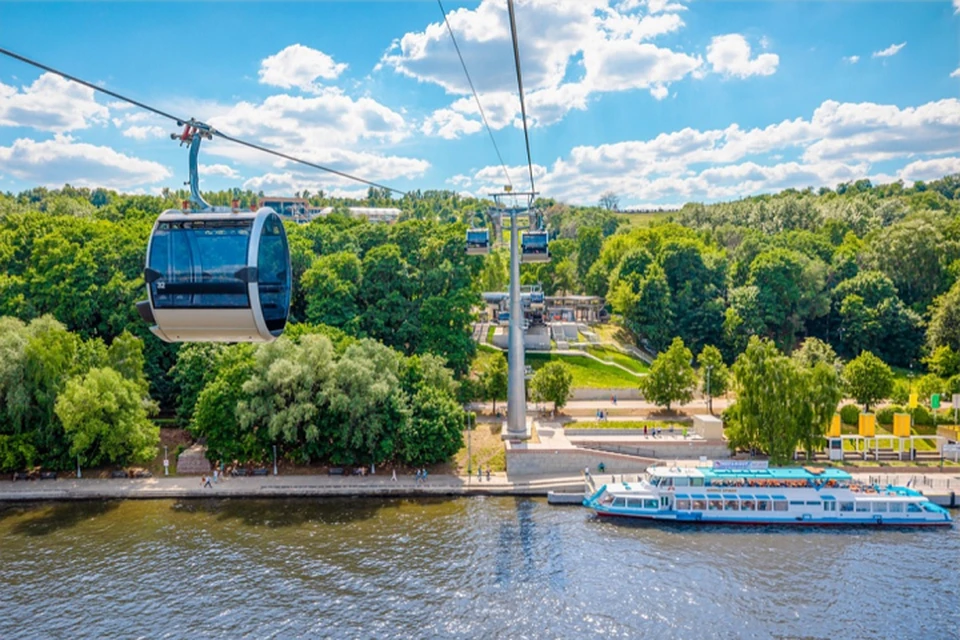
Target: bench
{"points": [[260, 472], [118, 474], [48, 475], [335, 471], [239, 473], [142, 473], [20, 475]]}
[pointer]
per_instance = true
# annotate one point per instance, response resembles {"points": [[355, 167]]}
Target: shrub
{"points": [[850, 414], [922, 417], [901, 392], [885, 415]]}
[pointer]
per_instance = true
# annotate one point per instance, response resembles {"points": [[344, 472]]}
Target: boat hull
{"points": [[685, 519]]}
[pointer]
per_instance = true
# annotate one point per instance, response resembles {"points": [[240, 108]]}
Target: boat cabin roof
{"points": [[774, 473]]}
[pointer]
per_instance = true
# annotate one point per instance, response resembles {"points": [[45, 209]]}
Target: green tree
{"points": [[714, 374], [671, 378], [814, 351], [780, 403], [434, 432], [868, 379], [589, 242], [551, 383], [494, 379], [943, 362], [944, 327], [105, 419], [215, 414]]}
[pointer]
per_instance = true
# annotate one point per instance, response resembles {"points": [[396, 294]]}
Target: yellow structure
{"points": [[913, 401], [901, 425], [868, 425], [834, 431]]}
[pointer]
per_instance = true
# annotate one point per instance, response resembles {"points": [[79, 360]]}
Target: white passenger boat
{"points": [[734, 492]]}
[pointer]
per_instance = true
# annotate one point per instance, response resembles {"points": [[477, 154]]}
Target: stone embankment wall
{"points": [[533, 462], [193, 460], [628, 393]]}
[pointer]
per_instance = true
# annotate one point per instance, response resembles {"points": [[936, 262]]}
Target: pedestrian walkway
{"points": [[277, 486]]}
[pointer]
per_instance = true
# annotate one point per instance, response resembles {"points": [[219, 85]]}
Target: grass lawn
{"points": [[587, 373], [486, 449], [627, 424], [612, 355]]}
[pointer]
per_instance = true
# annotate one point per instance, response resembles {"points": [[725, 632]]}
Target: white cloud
{"points": [[956, 72], [299, 66], [144, 132], [327, 120], [659, 92], [892, 50], [929, 169], [449, 124], [63, 160], [223, 170], [569, 51], [50, 104], [852, 59], [730, 55], [839, 142], [877, 132], [956, 6]]}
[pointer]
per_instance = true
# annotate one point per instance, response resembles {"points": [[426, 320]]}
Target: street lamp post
{"points": [[166, 462], [274, 459], [466, 418], [79, 475], [709, 397]]}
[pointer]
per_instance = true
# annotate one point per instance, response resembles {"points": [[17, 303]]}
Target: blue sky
{"points": [[660, 101]]}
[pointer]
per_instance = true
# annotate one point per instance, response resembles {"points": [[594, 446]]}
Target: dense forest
{"points": [[862, 268]]}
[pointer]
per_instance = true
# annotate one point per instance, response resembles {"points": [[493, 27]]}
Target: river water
{"points": [[464, 568]]}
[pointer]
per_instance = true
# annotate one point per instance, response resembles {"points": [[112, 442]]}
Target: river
{"points": [[462, 568]]}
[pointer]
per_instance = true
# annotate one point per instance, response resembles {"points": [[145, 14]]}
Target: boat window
{"points": [[699, 505], [618, 502], [716, 505], [664, 501], [779, 505], [813, 503], [913, 507], [863, 506], [879, 507], [682, 482], [198, 264], [797, 502], [696, 482], [763, 505], [748, 505], [731, 505], [650, 504], [846, 506], [829, 506], [273, 274], [929, 507], [896, 507], [683, 505]]}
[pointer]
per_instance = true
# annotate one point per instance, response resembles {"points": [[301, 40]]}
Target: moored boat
{"points": [[734, 492]]}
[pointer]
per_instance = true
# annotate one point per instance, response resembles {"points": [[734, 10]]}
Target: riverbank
{"points": [[943, 488], [280, 487]]}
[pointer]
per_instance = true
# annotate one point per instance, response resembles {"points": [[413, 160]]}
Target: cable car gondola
{"points": [[478, 242], [216, 275], [534, 247]]}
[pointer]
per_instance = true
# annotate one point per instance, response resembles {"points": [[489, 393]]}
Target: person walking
{"points": [[203, 481], [488, 473], [479, 473], [206, 483], [394, 476]]}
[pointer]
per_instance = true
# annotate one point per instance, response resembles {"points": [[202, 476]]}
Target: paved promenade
{"points": [[280, 486], [405, 486]]}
